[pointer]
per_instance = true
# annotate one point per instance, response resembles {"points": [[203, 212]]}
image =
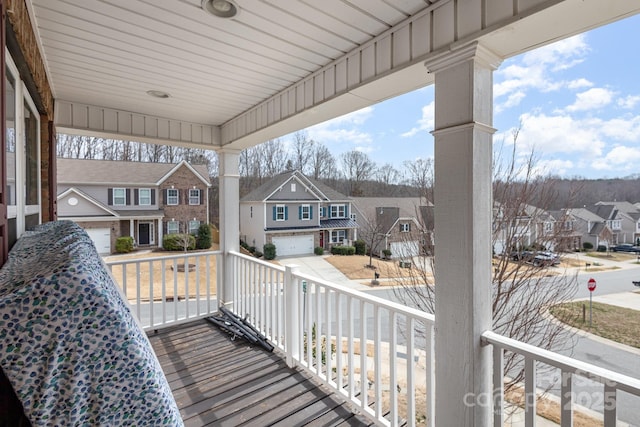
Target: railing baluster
{"points": [[377, 361], [175, 289], [163, 276], [328, 364], [530, 398], [393, 363], [151, 297], [498, 387], [566, 399], [610, 404], [338, 305], [350, 339], [430, 366], [411, 373], [364, 381], [318, 331], [198, 286], [138, 290], [186, 286]]}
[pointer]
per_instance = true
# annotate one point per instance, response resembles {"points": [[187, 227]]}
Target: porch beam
{"points": [[229, 200], [463, 199]]}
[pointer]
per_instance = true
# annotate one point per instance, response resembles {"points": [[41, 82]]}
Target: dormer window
{"points": [[405, 227]]}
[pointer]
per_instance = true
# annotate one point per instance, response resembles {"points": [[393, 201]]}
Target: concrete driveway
{"points": [[318, 266]]}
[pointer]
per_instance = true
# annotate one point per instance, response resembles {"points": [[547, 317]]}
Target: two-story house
{"points": [[613, 218], [111, 199], [296, 214], [628, 220], [585, 225], [394, 224]]}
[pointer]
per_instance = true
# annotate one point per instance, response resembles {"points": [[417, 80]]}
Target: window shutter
{"points": [[286, 213], [409, 227], [153, 196], [201, 197], [136, 199], [128, 192], [274, 213], [110, 196], [310, 212], [299, 212], [164, 196]]}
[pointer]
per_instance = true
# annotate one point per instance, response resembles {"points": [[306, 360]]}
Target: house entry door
{"points": [[144, 233]]}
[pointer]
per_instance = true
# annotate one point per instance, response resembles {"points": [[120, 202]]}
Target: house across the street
{"points": [[296, 214], [112, 199]]}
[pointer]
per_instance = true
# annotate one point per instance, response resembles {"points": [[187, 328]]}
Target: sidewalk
{"points": [[318, 266]]}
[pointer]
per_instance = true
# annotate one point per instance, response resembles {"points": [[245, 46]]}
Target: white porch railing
{"points": [[375, 353], [612, 382], [168, 290]]}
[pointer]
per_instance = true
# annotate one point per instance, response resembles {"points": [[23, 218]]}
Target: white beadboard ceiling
{"points": [[109, 53]]}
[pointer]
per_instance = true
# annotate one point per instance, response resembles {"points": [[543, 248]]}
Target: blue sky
{"points": [[577, 102]]}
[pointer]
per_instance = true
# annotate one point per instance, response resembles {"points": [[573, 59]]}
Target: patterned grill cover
{"points": [[69, 345]]}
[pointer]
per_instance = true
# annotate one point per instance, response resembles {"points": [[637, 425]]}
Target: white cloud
{"points": [[426, 123], [591, 99], [513, 100], [629, 102], [345, 130], [620, 159], [555, 167], [579, 83]]}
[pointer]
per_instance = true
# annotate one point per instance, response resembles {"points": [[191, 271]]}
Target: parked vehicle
{"points": [[625, 247], [538, 259]]}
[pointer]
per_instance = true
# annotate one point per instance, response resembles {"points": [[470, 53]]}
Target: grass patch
{"points": [[612, 322]]}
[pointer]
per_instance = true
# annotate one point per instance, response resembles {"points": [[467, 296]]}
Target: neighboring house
{"points": [[111, 199], [522, 227], [586, 225], [613, 219], [296, 214], [629, 215], [397, 224]]}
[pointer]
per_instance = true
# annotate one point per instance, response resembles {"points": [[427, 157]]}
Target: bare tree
{"points": [[302, 151], [273, 157], [521, 291], [323, 164], [357, 167], [420, 175]]}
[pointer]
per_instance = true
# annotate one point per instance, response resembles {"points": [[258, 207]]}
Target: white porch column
{"points": [[229, 181], [463, 199], [160, 225], [132, 231]]}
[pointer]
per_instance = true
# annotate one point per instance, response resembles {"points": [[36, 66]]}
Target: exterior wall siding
{"points": [[183, 180], [292, 218]]}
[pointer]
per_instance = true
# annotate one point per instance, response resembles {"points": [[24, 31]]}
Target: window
{"points": [[567, 225], [405, 227], [353, 217], [338, 211], [548, 227], [323, 213], [615, 224], [194, 226], [337, 236], [305, 212], [173, 227], [144, 196], [22, 157], [280, 211], [119, 197], [172, 196], [194, 196], [293, 187]]}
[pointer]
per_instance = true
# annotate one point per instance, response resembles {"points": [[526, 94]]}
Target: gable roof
{"points": [[585, 214], [105, 172], [386, 211], [72, 190], [604, 211], [623, 206], [320, 190]]}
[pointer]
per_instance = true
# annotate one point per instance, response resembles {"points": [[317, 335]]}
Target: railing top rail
{"points": [[179, 255], [567, 364], [258, 261]]}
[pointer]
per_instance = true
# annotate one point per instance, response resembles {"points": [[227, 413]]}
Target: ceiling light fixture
{"points": [[221, 8], [158, 94]]}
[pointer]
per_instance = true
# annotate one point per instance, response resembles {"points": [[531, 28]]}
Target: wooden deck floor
{"points": [[220, 382]]}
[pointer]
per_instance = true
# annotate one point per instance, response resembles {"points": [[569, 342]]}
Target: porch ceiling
{"points": [[222, 73]]}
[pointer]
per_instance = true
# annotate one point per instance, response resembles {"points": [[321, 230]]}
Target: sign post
{"points": [[591, 284]]}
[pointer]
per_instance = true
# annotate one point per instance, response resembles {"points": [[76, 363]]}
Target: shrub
{"points": [[343, 250], [318, 250], [269, 250], [244, 244], [252, 249], [602, 248], [386, 253], [257, 254], [124, 244], [203, 241], [587, 246], [176, 242], [360, 247]]}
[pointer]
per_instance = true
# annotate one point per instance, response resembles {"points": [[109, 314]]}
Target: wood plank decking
{"points": [[219, 382]]}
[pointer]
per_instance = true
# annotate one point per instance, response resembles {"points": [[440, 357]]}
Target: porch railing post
{"points": [[292, 316], [229, 200]]}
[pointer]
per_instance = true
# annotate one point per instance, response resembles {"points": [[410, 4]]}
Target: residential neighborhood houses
{"points": [[146, 201]]}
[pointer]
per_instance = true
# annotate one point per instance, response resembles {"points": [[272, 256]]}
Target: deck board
{"points": [[222, 382]]}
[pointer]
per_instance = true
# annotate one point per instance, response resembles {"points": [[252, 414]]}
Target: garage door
{"points": [[101, 238], [293, 245], [404, 249]]}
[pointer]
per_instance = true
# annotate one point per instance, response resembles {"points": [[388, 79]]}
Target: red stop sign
{"points": [[591, 284]]}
